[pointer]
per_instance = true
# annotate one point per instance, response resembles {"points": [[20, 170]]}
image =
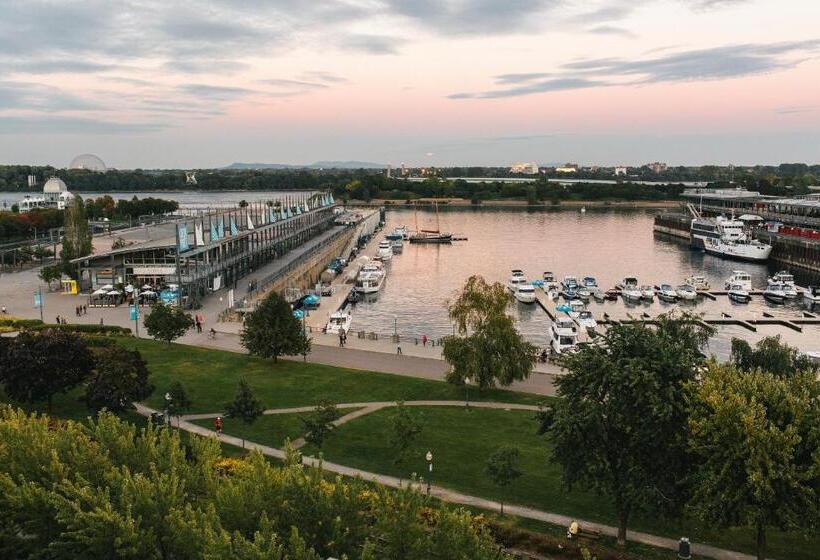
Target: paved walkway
{"points": [[442, 493]]}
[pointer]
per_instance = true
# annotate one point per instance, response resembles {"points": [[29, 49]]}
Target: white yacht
{"points": [[570, 283], [725, 237], [550, 281], [397, 245], [628, 282], [697, 282], [741, 278], [339, 321], [787, 281], [647, 293], [563, 335], [586, 320], [738, 293], [775, 293], [576, 306], [385, 251], [584, 293], [632, 293], [370, 278], [525, 293], [589, 282], [686, 292], [812, 295], [516, 279], [667, 293]]}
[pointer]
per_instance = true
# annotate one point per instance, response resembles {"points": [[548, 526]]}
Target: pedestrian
{"points": [[424, 340], [341, 337], [398, 349], [101, 321], [58, 320], [218, 425], [65, 321], [4, 310], [85, 310]]}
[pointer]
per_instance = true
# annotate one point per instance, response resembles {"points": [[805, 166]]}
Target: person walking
{"points": [[341, 338], [218, 425], [398, 349], [424, 340]]}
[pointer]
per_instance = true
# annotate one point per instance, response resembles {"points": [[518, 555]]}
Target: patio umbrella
{"points": [[114, 293], [100, 292], [299, 314], [148, 293], [311, 300], [146, 287], [107, 287], [129, 288]]}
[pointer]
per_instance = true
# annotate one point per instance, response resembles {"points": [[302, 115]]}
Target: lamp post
{"points": [[467, 393], [167, 408], [429, 458], [395, 325]]}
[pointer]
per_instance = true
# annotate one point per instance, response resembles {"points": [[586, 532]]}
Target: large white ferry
{"points": [[725, 237], [370, 278]]}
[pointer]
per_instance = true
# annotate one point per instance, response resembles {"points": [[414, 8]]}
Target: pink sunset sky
{"points": [[187, 84]]}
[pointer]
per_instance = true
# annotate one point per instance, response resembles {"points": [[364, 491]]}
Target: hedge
{"points": [[106, 330], [20, 323]]}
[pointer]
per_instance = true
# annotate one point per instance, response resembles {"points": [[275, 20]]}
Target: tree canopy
{"points": [[120, 377], [245, 406], [771, 355], [166, 322], [271, 330]]}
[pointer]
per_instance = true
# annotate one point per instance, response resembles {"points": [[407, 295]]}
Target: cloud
{"points": [[716, 63], [74, 125], [215, 93], [294, 84], [793, 110], [371, 44], [40, 97], [326, 77], [611, 30]]}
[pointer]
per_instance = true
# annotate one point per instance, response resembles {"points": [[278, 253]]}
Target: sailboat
{"points": [[430, 235]]}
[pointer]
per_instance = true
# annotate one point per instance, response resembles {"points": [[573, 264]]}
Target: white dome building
{"points": [[89, 162], [54, 185], [55, 195]]}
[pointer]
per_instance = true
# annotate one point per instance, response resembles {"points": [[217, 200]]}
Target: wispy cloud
{"points": [[74, 125], [611, 30], [371, 44]]}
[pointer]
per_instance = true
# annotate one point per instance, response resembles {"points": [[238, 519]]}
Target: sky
{"points": [[185, 84]]}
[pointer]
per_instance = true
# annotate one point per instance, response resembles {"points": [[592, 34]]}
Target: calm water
{"points": [[607, 244]]}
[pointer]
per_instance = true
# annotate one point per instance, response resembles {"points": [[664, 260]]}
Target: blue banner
{"points": [[38, 299], [135, 312], [182, 238], [214, 230], [234, 229]]}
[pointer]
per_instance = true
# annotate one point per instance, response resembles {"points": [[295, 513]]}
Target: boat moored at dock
{"points": [[741, 278], [667, 293], [775, 293], [525, 293], [739, 294], [563, 335], [339, 321]]}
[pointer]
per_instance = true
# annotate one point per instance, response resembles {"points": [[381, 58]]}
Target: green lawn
{"points": [[460, 441], [210, 378]]}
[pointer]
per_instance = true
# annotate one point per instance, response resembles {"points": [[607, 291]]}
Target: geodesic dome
{"points": [[89, 162], [55, 185]]}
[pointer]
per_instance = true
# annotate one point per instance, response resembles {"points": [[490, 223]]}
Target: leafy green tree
{"points": [[620, 427], [167, 323], [319, 425], [120, 377], [176, 400], [757, 445], [77, 236], [245, 406], [771, 355], [405, 428], [35, 366], [502, 467], [487, 348], [50, 274], [271, 330]]}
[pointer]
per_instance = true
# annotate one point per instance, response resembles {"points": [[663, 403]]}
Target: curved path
{"points": [[439, 492]]}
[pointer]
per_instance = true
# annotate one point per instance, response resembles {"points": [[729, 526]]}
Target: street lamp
{"points": [[429, 458], [467, 392], [167, 407], [395, 325]]}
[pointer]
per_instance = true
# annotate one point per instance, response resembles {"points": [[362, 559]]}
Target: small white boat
{"points": [[516, 280], [686, 292], [589, 282], [563, 335], [667, 293], [370, 278], [697, 282], [812, 295], [586, 320], [525, 293], [570, 283], [741, 278], [632, 293], [786, 281], [584, 293], [385, 252], [550, 281], [738, 293], [338, 321], [775, 293], [576, 306], [598, 294], [397, 245], [647, 293], [628, 282]]}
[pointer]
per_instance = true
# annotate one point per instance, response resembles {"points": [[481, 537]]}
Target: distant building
{"points": [[621, 170], [55, 195], [657, 167], [567, 168], [525, 168]]}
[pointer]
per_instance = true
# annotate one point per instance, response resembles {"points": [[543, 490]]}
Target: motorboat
{"points": [[587, 320], [628, 282], [725, 237], [525, 293], [611, 295], [686, 292], [563, 335], [812, 295], [569, 294], [739, 294], [584, 293], [570, 282], [647, 293], [550, 281], [576, 306], [516, 279], [598, 294], [667, 293], [398, 233], [339, 321], [370, 278], [775, 293], [385, 252], [697, 282], [553, 293], [397, 245], [786, 280], [739, 277], [589, 282], [632, 293]]}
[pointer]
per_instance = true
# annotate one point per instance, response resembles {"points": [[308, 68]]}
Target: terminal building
{"points": [[197, 255], [55, 195], [797, 211]]}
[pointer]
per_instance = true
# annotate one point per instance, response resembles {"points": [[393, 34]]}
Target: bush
{"points": [[106, 330]]}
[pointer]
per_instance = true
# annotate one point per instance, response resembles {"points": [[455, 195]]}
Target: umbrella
{"points": [[100, 292], [311, 300], [129, 288], [147, 287], [114, 293], [750, 218], [148, 293], [107, 287], [298, 313]]}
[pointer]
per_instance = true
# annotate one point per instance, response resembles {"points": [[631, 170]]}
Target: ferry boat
{"points": [[739, 278], [525, 293], [563, 335], [667, 293], [339, 321], [385, 251], [370, 278], [738, 293], [725, 237], [515, 280], [550, 281], [587, 320], [787, 281], [775, 293], [686, 292]]}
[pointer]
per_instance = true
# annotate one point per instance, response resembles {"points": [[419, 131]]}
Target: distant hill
{"points": [[315, 165]]}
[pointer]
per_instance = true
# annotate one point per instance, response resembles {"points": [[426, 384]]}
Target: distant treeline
{"points": [[21, 226], [107, 207]]}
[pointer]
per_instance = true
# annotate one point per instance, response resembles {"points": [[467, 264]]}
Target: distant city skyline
{"points": [[447, 83]]}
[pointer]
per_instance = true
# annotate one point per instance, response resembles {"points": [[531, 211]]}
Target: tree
{"points": [[167, 323], [756, 440], [35, 366], [502, 467], [120, 377], [77, 236], [244, 406], [271, 330], [770, 355], [49, 274], [405, 428], [488, 348], [176, 400], [320, 424], [620, 427]]}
